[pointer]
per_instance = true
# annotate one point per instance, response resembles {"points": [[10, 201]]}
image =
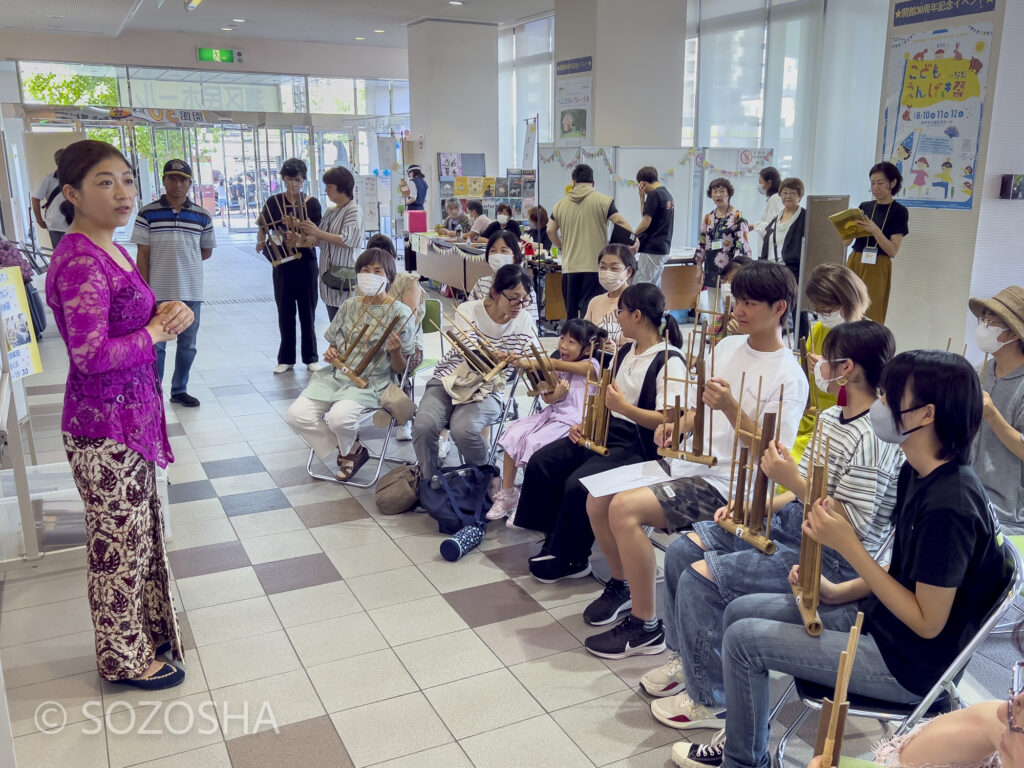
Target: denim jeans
{"points": [[693, 618], [183, 356], [764, 632]]}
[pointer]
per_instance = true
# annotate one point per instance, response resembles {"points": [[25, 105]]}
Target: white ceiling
{"points": [[323, 21]]}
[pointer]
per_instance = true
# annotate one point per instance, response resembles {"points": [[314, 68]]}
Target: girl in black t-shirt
{"points": [[946, 573], [884, 229]]}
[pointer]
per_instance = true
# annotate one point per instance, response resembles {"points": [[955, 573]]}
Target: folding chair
{"points": [[381, 457], [1006, 626], [943, 697], [498, 425]]}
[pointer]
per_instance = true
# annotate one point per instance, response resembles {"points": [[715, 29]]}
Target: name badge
{"points": [[869, 255], [716, 245]]}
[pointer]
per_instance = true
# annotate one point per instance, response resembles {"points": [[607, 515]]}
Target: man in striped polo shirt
{"points": [[174, 238]]}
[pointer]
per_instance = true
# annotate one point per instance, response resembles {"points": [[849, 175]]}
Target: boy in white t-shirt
{"points": [[762, 294]]}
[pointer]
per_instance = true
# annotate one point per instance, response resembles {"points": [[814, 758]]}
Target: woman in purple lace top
{"points": [[113, 421]]}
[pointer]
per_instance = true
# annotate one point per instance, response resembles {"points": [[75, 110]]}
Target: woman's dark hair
{"points": [[583, 174], [890, 171], [416, 173], [293, 167], [942, 379], [650, 301], [510, 276], [868, 344], [648, 174], [384, 242], [724, 184], [734, 266], [583, 332], [372, 256], [539, 213], [767, 281], [76, 162], [771, 174], [510, 240], [622, 253], [504, 207], [341, 178], [476, 207]]}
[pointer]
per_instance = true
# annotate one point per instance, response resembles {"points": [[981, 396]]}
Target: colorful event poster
{"points": [[22, 349], [572, 111], [935, 94]]}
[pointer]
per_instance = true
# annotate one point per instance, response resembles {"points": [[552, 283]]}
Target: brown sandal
{"points": [[354, 461]]}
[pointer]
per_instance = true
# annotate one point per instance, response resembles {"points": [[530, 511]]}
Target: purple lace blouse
{"points": [[101, 312]]}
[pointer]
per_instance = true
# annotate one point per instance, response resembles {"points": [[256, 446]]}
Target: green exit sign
{"points": [[219, 55]]}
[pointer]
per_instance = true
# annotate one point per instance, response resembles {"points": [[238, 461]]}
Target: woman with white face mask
{"points": [[503, 221], [837, 296], [327, 413], [502, 248], [999, 456], [616, 266]]}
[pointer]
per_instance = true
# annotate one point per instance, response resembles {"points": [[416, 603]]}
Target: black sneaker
{"points": [[700, 755], [545, 550], [609, 605], [627, 638], [553, 569], [185, 399]]}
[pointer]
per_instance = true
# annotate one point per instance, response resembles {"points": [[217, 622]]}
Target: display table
{"points": [[442, 260]]}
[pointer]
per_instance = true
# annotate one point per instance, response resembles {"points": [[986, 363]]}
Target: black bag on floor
{"points": [[457, 496], [36, 309]]}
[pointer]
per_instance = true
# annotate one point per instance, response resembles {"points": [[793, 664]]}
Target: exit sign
{"points": [[219, 55]]}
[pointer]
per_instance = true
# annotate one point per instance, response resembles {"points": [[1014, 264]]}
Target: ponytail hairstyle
{"points": [[648, 299], [76, 162], [584, 333]]}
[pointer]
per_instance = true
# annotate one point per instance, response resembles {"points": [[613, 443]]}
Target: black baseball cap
{"points": [[178, 168]]}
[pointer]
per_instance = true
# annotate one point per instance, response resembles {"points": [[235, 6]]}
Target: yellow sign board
{"points": [[22, 349]]}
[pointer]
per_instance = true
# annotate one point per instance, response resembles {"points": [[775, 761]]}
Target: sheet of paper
{"points": [[627, 478]]}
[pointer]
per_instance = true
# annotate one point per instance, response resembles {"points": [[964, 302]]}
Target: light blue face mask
{"points": [[884, 425]]}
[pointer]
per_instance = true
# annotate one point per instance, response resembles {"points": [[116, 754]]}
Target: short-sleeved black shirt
{"points": [[657, 238], [512, 226], [892, 219], [945, 537]]}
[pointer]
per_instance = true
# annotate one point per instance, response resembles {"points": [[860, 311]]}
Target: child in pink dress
{"points": [[565, 406]]}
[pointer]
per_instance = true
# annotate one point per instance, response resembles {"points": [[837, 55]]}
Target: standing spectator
{"points": [[415, 200], [174, 238], [579, 228], [340, 234], [46, 204], [770, 183], [478, 222], [294, 281], [723, 235], [113, 425], [655, 228]]}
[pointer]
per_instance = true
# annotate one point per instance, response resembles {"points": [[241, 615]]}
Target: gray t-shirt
{"points": [[999, 470]]}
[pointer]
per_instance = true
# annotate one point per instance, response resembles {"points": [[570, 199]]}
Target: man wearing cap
{"points": [[999, 454], [174, 237]]}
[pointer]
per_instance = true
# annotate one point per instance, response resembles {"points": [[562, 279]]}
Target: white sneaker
{"points": [[666, 680], [683, 713], [312, 367], [403, 432], [444, 446], [282, 368]]}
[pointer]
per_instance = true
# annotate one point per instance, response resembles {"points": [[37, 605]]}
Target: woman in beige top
{"points": [[616, 267]]}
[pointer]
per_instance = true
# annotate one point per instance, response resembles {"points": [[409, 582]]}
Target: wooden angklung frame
{"points": [[807, 590], [292, 215], [812, 393], [752, 520], [596, 418], [674, 413], [478, 352], [364, 345], [714, 314], [541, 378], [832, 725]]}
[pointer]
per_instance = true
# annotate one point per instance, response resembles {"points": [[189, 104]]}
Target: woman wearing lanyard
{"points": [[723, 236], [884, 230]]}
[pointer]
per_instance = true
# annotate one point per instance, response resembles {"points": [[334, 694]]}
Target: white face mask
{"points": [[831, 319], [499, 260], [502, 219], [988, 338], [819, 378], [611, 280], [884, 425], [370, 284]]}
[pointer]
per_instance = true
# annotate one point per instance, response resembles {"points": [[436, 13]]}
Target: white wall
{"points": [[173, 50]]}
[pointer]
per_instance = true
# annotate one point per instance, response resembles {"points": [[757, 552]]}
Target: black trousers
{"points": [[578, 288], [295, 291], [554, 501]]}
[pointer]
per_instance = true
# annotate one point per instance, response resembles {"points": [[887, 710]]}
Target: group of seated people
{"points": [[925, 463]]}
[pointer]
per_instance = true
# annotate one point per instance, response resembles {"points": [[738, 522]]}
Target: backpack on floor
{"points": [[457, 496]]}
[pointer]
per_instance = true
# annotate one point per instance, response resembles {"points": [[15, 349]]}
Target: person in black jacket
{"points": [[783, 239]]}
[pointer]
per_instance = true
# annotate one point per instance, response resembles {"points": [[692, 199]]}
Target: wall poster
{"points": [[573, 111], [935, 95]]}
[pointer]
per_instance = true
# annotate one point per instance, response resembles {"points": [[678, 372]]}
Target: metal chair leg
{"points": [[381, 458], [783, 699], [780, 751]]}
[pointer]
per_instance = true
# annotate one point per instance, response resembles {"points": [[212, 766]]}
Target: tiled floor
{"points": [[299, 596]]}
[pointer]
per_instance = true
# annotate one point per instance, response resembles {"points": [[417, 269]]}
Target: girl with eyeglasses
{"points": [[460, 400]]}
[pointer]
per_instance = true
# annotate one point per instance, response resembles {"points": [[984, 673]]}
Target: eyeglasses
{"points": [[1016, 689], [992, 322], [622, 309], [526, 302]]}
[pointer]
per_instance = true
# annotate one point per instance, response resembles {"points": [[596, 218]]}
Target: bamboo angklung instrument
{"points": [[541, 378], [722, 318], [984, 365], [596, 418], [807, 590], [479, 354], [361, 341], [832, 724], [812, 390], [281, 251], [674, 414], [752, 521]]}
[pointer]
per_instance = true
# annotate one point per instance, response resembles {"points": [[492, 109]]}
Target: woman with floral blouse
{"points": [[724, 233]]}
